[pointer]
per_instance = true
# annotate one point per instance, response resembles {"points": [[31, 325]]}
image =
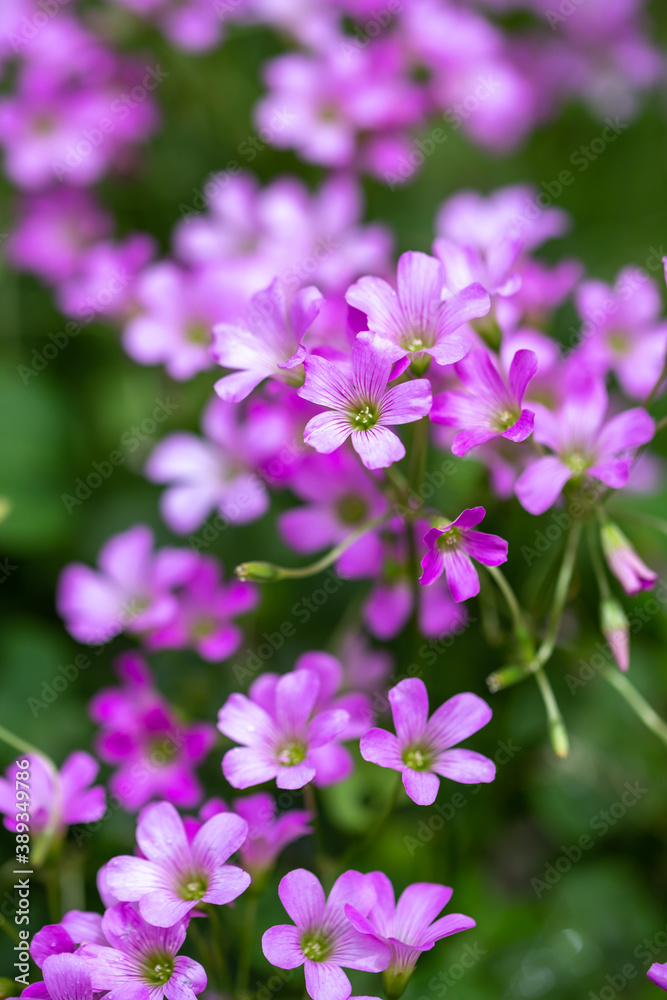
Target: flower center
{"points": [[158, 969], [365, 417], [449, 539], [577, 462], [315, 946], [203, 627], [197, 333], [417, 758], [619, 343], [351, 509], [506, 418], [292, 753], [195, 888]]}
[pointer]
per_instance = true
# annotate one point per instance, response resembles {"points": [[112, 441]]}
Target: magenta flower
{"points": [[491, 407], [76, 927], [268, 833], [278, 731], [582, 444], [624, 561], [58, 799], [322, 939], [66, 977], [415, 317], [174, 876], [453, 546], [362, 406], [142, 962], [206, 607], [658, 974], [339, 497], [408, 927], [214, 473], [268, 344], [423, 748], [155, 755], [132, 591]]}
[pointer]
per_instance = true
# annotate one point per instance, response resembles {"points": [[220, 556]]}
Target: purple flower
{"points": [[322, 939], [268, 834], [415, 318], [132, 591], [408, 927], [622, 330], [582, 443], [174, 876], [491, 407], [76, 927], [278, 731], [66, 977], [142, 962], [155, 754], [362, 406], [658, 974], [453, 546], [422, 747], [58, 799], [624, 561], [206, 607], [340, 496], [212, 473], [268, 344]]}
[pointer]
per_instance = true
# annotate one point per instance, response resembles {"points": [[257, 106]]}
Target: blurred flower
{"points": [[57, 799]]}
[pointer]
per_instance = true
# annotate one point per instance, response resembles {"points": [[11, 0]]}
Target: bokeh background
{"points": [[595, 931]]}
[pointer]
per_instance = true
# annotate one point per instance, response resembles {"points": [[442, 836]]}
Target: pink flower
{"points": [[142, 960], [582, 444], [206, 607], [658, 974], [216, 472], [268, 833], [453, 546], [624, 561], [133, 589], [173, 876], [267, 344], [57, 799], [322, 939], [408, 927], [422, 748], [363, 407], [491, 407], [415, 317], [65, 975], [279, 729], [155, 754], [76, 927]]}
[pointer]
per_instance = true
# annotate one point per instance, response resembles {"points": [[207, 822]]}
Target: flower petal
{"points": [[381, 747], [457, 719], [421, 786], [462, 578], [282, 946], [303, 898], [540, 484], [378, 447], [326, 981], [327, 431], [466, 766], [409, 706]]}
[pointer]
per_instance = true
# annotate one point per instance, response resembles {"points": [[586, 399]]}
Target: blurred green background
{"points": [[609, 910]]}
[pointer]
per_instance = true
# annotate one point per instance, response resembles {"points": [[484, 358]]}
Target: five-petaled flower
{"points": [[453, 546], [422, 748]]}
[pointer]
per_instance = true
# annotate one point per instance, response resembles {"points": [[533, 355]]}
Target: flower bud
{"points": [[616, 630], [261, 572], [623, 560], [506, 677]]}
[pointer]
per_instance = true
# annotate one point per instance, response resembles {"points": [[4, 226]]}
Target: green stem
{"points": [[9, 930], [637, 702], [557, 731], [372, 832], [245, 959], [419, 455], [217, 949], [521, 629], [560, 594], [264, 572], [598, 568], [310, 801], [661, 424]]}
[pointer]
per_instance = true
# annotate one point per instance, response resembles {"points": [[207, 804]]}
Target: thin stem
{"points": [[264, 572], [598, 568], [375, 827], [217, 950], [637, 702], [557, 731], [521, 629], [560, 594], [311, 805], [661, 424], [419, 455], [654, 391], [23, 746], [245, 959]]}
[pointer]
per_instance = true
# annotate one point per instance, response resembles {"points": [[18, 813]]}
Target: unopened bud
{"points": [[623, 560], [261, 572], [616, 630]]}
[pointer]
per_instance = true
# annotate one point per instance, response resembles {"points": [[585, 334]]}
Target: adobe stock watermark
{"points": [[130, 440], [445, 812], [566, 8], [646, 952], [603, 657], [31, 25], [90, 138], [455, 117], [600, 824], [561, 520]]}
